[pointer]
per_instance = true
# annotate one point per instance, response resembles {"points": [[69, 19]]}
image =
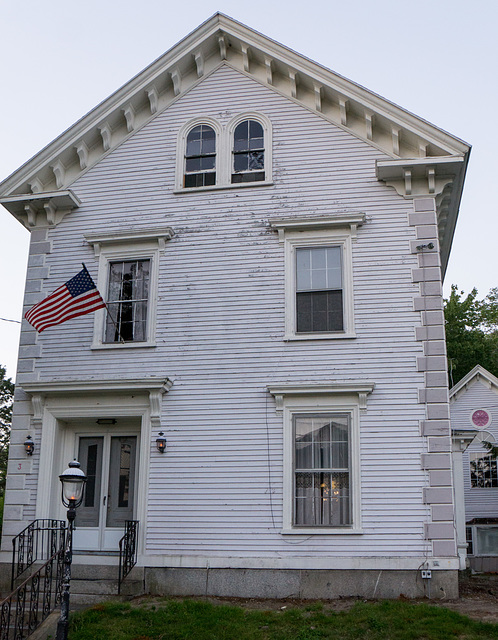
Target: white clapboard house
{"points": [[474, 408], [270, 239]]}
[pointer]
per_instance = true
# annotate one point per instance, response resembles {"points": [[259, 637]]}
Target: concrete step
{"points": [[107, 587]]}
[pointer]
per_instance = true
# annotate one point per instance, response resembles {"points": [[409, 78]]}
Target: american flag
{"points": [[76, 297]]}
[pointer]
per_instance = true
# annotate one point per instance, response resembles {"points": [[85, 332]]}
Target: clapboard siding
{"points": [[220, 323], [479, 503]]}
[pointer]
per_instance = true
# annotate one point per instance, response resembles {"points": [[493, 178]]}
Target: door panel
{"points": [[121, 480], [90, 456]]}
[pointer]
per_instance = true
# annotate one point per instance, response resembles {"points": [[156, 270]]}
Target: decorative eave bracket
{"points": [[351, 220], [420, 176], [41, 209], [360, 389]]}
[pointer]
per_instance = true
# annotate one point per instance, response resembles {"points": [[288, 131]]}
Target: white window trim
{"points": [[224, 156], [344, 398], [338, 230], [268, 137], [140, 245], [181, 147]]}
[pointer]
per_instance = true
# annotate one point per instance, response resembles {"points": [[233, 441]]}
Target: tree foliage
{"points": [[471, 332], [6, 401]]}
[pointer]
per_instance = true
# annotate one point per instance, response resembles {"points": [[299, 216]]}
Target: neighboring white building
{"points": [[474, 407], [270, 237]]}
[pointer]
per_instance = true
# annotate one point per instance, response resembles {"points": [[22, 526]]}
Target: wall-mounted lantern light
{"points": [[161, 442], [29, 446]]}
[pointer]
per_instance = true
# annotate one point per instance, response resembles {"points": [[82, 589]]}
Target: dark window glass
{"points": [[200, 157], [483, 471], [91, 472], [124, 475], [319, 292], [127, 301], [248, 152]]}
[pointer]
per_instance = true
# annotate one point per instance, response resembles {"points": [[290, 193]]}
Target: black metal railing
{"points": [[33, 600], [127, 551], [38, 542]]}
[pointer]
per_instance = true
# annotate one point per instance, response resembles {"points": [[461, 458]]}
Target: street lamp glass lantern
{"points": [[73, 483]]}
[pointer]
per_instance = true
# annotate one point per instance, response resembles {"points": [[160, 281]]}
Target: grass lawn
{"points": [[192, 620]]}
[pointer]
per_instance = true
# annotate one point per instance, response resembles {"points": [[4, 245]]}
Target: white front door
{"points": [[110, 463]]}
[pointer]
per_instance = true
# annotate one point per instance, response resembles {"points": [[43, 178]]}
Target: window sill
{"points": [[221, 187], [318, 336], [126, 345], [324, 531]]}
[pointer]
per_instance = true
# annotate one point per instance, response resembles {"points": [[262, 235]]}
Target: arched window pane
{"points": [[248, 152], [200, 157]]}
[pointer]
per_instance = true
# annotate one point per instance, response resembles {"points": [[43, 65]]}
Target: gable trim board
{"points": [[216, 499]]}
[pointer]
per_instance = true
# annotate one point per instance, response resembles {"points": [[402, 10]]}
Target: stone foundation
{"points": [[299, 583]]}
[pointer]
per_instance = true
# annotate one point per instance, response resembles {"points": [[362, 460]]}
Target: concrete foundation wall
{"points": [[483, 564], [299, 583]]}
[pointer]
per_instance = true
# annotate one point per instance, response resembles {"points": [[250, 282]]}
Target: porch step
{"points": [[97, 583]]}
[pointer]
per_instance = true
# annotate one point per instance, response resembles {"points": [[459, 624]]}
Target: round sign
{"points": [[480, 418]]}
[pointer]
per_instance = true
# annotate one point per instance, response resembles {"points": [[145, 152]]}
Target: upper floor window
{"points": [[212, 155], [248, 152], [127, 301], [200, 157], [319, 295], [128, 278]]}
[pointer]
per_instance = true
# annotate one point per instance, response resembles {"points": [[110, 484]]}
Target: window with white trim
{"points": [[200, 157], [322, 496], [127, 301], [248, 152], [128, 279], [319, 275], [321, 439], [215, 156], [319, 294]]}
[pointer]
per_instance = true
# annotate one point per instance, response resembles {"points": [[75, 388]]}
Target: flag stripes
{"points": [[76, 297]]}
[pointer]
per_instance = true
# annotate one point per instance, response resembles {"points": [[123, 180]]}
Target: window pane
{"points": [[127, 301], [487, 541], [483, 470], [319, 311], [256, 160], [322, 499], [255, 129], [248, 147], [200, 156]]}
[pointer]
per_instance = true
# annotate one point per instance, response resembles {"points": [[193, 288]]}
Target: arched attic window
{"points": [[200, 157], [248, 152]]}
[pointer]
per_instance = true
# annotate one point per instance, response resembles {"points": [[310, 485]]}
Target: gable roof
{"points": [[477, 373], [417, 151]]}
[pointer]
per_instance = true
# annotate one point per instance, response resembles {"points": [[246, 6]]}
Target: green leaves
{"points": [[471, 332]]}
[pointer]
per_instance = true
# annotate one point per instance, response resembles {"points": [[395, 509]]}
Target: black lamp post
{"points": [[73, 483]]}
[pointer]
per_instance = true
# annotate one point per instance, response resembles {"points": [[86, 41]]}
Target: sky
{"points": [[435, 58]]}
